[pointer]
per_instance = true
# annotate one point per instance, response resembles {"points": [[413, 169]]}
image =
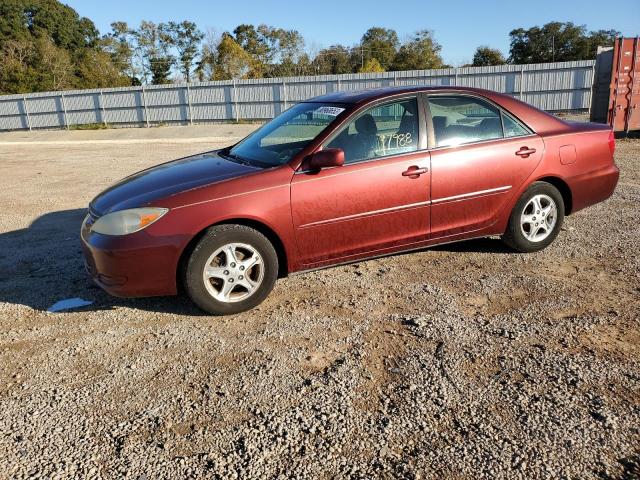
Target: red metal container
{"points": [[623, 108]]}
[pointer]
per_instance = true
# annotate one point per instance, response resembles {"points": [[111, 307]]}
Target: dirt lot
{"points": [[464, 361]]}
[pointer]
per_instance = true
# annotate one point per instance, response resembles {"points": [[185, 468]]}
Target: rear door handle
{"points": [[414, 171], [524, 152]]}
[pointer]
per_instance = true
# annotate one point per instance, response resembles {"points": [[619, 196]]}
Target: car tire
{"points": [[536, 218], [219, 275]]}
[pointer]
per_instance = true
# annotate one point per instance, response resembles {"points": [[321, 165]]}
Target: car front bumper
{"points": [[134, 265]]}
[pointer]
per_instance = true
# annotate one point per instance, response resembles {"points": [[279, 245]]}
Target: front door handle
{"points": [[524, 152], [414, 171]]}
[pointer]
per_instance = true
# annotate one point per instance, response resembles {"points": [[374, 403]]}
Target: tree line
{"points": [[45, 45]]}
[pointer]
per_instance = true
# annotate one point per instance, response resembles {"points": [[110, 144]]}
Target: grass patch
{"points": [[89, 126]]}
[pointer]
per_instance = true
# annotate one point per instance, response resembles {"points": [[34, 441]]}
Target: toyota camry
{"points": [[340, 178]]}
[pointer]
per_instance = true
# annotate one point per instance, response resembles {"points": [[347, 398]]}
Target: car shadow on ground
{"points": [[478, 245], [43, 264]]}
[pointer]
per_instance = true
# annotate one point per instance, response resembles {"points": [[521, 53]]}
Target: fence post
{"points": [[284, 94], [144, 105], [102, 108], [594, 81], [26, 111], [234, 99], [338, 84], [521, 82], [64, 111], [189, 103], [455, 79]]}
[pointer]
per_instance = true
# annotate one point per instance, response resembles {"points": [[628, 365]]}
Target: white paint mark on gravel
{"points": [[68, 304]]}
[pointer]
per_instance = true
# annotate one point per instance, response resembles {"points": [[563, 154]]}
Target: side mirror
{"points": [[330, 157]]}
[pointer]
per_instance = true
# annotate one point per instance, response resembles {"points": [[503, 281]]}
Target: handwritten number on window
{"points": [[394, 141]]}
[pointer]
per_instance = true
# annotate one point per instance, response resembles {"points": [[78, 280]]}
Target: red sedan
{"points": [[343, 177]]}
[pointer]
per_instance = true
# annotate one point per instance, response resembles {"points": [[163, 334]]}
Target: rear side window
{"points": [[458, 120], [512, 128]]}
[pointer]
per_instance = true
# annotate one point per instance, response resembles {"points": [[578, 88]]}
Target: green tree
{"points": [[601, 38], [254, 42], [381, 44], [287, 51], [44, 45], [14, 21], [421, 52], [57, 69], [304, 65], [186, 38], [120, 43], [97, 70], [17, 71], [155, 43], [557, 42], [333, 60], [275, 51], [22, 19], [231, 60], [290, 44], [486, 56], [371, 66], [206, 64], [285, 68]]}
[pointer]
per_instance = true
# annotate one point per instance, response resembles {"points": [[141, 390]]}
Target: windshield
{"points": [[277, 141]]}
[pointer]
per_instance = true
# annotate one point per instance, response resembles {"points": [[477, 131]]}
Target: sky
{"points": [[459, 25]]}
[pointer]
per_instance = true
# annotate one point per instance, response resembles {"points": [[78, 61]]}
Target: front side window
{"points": [[458, 120], [277, 141], [383, 130]]}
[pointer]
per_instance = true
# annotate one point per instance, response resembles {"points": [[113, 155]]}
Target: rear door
{"points": [[378, 199], [481, 155]]}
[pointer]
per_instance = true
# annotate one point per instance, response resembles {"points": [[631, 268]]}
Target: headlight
{"points": [[127, 221]]}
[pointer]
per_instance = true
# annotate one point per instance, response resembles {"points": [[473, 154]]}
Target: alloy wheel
{"points": [[538, 218], [233, 272]]}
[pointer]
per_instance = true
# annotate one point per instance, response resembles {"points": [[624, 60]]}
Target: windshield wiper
{"points": [[244, 161], [235, 158]]}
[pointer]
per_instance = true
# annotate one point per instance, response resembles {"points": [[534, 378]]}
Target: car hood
{"points": [[148, 186]]}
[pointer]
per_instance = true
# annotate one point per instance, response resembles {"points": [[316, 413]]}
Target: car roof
{"points": [[539, 121], [360, 96]]}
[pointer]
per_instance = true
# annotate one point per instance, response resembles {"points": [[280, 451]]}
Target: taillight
{"points": [[612, 142]]}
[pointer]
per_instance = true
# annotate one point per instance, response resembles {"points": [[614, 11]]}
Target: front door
{"points": [[378, 199]]}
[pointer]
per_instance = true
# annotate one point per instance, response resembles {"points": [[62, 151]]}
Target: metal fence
{"points": [[555, 87]]}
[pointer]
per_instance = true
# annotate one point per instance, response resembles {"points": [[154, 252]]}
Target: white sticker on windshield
{"points": [[332, 111]]}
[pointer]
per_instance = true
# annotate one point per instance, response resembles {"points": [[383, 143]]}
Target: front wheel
{"points": [[232, 269], [536, 219]]}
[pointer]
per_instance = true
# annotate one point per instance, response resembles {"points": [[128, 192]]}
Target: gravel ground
{"points": [[463, 361]]}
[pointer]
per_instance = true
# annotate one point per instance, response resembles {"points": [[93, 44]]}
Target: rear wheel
{"points": [[232, 269], [536, 219]]}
